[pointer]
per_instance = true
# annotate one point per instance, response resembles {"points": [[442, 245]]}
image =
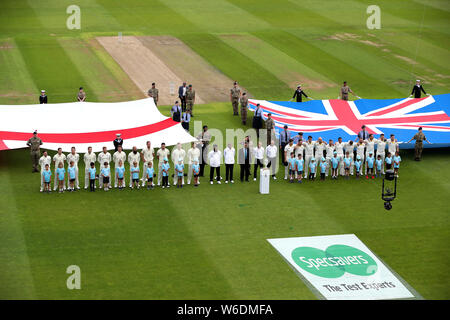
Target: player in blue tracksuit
{"points": [[120, 172], [334, 165], [72, 174], [323, 168], [149, 175], [299, 163], [47, 177], [379, 165], [358, 165], [370, 161], [397, 159], [291, 167], [312, 169]]}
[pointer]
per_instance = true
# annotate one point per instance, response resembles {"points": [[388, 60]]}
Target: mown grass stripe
{"points": [[257, 80]]}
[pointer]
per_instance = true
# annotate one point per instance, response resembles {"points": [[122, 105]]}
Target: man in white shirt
{"points": [[360, 149], [309, 153], [288, 149], [329, 154], [87, 159], [381, 150], [319, 146], [339, 147], [192, 154], [229, 159], [162, 153], [45, 159], [370, 146], [57, 159], [214, 157], [103, 157], [258, 154], [271, 153], [392, 145], [178, 153], [132, 157], [147, 155], [350, 148], [75, 157], [118, 156]]}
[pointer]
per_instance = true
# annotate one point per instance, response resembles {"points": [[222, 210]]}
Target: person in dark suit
{"points": [[118, 141], [43, 97], [363, 134], [244, 159], [182, 95], [417, 90], [298, 94]]}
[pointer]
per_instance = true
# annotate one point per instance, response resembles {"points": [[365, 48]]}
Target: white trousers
{"points": [[341, 170], [307, 161], [189, 175]]}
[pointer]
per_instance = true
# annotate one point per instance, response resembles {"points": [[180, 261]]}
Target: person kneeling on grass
{"points": [[370, 162], [312, 169], [179, 170], [61, 173], [195, 172], [397, 159], [334, 165], [299, 167], [134, 170], [120, 170], [347, 163], [106, 173], [323, 168], [165, 167], [379, 165], [92, 176], [71, 172], [47, 177], [149, 175], [358, 165]]}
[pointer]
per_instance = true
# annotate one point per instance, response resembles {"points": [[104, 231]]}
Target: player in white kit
{"points": [[370, 147], [118, 156], [309, 153], [392, 145], [360, 150], [329, 154], [88, 158], [57, 159], [381, 150], [339, 147], [147, 155], [103, 157], [319, 146], [45, 159], [192, 154], [350, 147], [178, 153], [75, 157], [133, 156]]}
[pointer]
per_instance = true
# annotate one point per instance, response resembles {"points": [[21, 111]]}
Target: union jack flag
{"points": [[331, 119]]}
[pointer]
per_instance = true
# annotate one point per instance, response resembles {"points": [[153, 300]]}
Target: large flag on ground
{"points": [[331, 119], [83, 124]]}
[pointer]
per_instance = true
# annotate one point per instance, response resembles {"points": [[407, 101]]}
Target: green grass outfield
{"points": [[210, 242]]}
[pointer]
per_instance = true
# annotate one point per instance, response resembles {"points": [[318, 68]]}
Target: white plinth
{"points": [[264, 181]]}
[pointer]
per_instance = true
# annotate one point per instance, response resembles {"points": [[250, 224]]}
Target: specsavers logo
{"points": [[334, 261]]}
